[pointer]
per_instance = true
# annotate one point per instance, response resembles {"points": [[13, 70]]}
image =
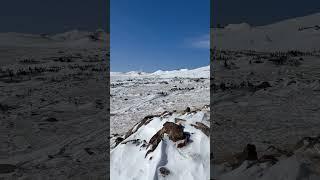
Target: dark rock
{"points": [[268, 158], [88, 150], [144, 143], [277, 152], [182, 144], [164, 171], [250, 152], [205, 129], [179, 121], [174, 132], [223, 86], [137, 142], [258, 61], [52, 119], [262, 85], [118, 140], [4, 107], [7, 168]]}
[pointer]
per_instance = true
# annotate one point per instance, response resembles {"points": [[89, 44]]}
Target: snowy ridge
{"points": [[138, 156], [70, 38], [301, 33], [202, 72]]}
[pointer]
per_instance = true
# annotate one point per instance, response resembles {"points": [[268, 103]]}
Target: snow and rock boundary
{"points": [[300, 162], [169, 145]]}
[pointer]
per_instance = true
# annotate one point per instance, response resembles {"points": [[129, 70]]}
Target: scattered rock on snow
{"points": [[205, 129], [52, 119], [7, 168], [164, 171]]}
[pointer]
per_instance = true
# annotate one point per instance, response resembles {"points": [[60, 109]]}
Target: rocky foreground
{"points": [[302, 162], [170, 145]]}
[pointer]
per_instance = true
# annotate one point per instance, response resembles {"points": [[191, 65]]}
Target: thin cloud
{"points": [[202, 42]]}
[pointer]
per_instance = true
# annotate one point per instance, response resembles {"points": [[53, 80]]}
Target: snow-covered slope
{"points": [[171, 145], [62, 93], [135, 95], [266, 99], [168, 146], [301, 33]]}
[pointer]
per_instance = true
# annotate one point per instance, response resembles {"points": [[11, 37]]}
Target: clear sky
{"points": [[260, 12], [148, 35], [52, 16]]}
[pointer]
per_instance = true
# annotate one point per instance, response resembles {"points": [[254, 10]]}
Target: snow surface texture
{"points": [[190, 162], [266, 92], [52, 107], [135, 95]]}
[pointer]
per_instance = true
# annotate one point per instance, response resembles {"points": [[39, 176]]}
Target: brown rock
{"points": [[205, 129], [174, 132]]}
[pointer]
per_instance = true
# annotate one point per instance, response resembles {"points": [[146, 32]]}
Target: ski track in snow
{"points": [[163, 159]]}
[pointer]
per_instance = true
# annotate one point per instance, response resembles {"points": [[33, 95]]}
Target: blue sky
{"points": [[55, 16], [257, 12], [148, 35]]}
